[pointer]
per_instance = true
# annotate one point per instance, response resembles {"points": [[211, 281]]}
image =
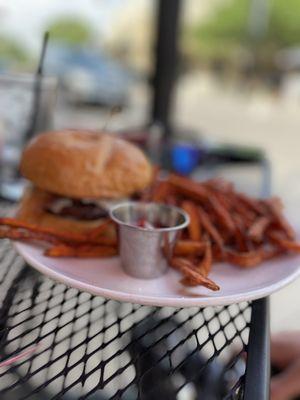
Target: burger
{"points": [[75, 175]]}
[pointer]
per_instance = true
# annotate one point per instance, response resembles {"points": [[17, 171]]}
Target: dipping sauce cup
{"points": [[147, 234]]}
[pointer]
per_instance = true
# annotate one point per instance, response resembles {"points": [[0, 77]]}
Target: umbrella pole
{"points": [[166, 60]]}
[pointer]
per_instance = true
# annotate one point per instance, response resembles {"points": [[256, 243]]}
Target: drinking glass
{"points": [[16, 113]]}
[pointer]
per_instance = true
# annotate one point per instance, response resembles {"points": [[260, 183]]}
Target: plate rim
{"points": [[176, 302]]}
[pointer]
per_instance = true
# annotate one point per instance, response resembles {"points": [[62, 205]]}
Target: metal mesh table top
{"points": [[69, 344]]}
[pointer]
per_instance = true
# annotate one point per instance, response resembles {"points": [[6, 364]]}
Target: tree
{"points": [[284, 28], [70, 31], [227, 30], [12, 51]]}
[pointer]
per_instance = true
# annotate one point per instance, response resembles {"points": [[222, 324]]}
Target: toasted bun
{"points": [[31, 209], [84, 164]]}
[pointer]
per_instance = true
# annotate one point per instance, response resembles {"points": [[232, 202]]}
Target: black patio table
{"points": [[69, 344]]}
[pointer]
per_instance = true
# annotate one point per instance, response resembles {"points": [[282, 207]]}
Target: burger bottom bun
{"points": [[32, 210]]}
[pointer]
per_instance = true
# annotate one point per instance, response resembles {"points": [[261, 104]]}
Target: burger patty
{"points": [[76, 209]]}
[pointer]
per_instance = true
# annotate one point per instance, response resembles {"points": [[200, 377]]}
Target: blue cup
{"points": [[185, 157]]}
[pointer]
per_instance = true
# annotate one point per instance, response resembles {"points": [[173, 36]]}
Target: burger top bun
{"points": [[84, 164]]}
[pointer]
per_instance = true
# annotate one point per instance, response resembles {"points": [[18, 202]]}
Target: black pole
{"points": [[166, 60], [37, 86], [257, 380]]}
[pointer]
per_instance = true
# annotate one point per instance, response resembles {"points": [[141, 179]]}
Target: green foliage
{"points": [[70, 31], [284, 28], [228, 23], [12, 51], [226, 31]]}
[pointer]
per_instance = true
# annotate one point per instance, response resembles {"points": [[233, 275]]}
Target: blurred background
{"points": [[237, 81]]}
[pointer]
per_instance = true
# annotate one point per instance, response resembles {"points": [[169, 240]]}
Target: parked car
{"points": [[88, 76]]}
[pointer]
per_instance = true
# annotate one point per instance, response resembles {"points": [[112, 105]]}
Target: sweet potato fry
{"points": [[156, 170], [17, 234], [241, 241], [217, 253], [251, 203], [205, 264], [239, 221], [100, 230], [190, 271], [209, 227], [81, 251], [192, 259], [245, 259], [189, 188], [60, 236], [272, 252], [161, 191], [242, 210], [219, 185], [192, 282], [279, 218], [282, 243], [224, 199], [194, 227], [188, 281], [222, 213], [102, 240], [171, 200], [257, 229], [277, 203], [147, 193], [189, 248]]}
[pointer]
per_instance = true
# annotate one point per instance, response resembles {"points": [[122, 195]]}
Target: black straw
{"points": [[37, 90]]}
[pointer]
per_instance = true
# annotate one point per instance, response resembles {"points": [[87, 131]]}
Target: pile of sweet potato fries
{"points": [[224, 226]]}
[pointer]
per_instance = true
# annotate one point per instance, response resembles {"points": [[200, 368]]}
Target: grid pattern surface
{"points": [[67, 344]]}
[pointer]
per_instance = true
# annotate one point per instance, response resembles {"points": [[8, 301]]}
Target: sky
{"points": [[26, 19]]}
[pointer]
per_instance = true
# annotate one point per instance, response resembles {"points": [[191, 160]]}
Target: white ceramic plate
{"points": [[104, 277]]}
